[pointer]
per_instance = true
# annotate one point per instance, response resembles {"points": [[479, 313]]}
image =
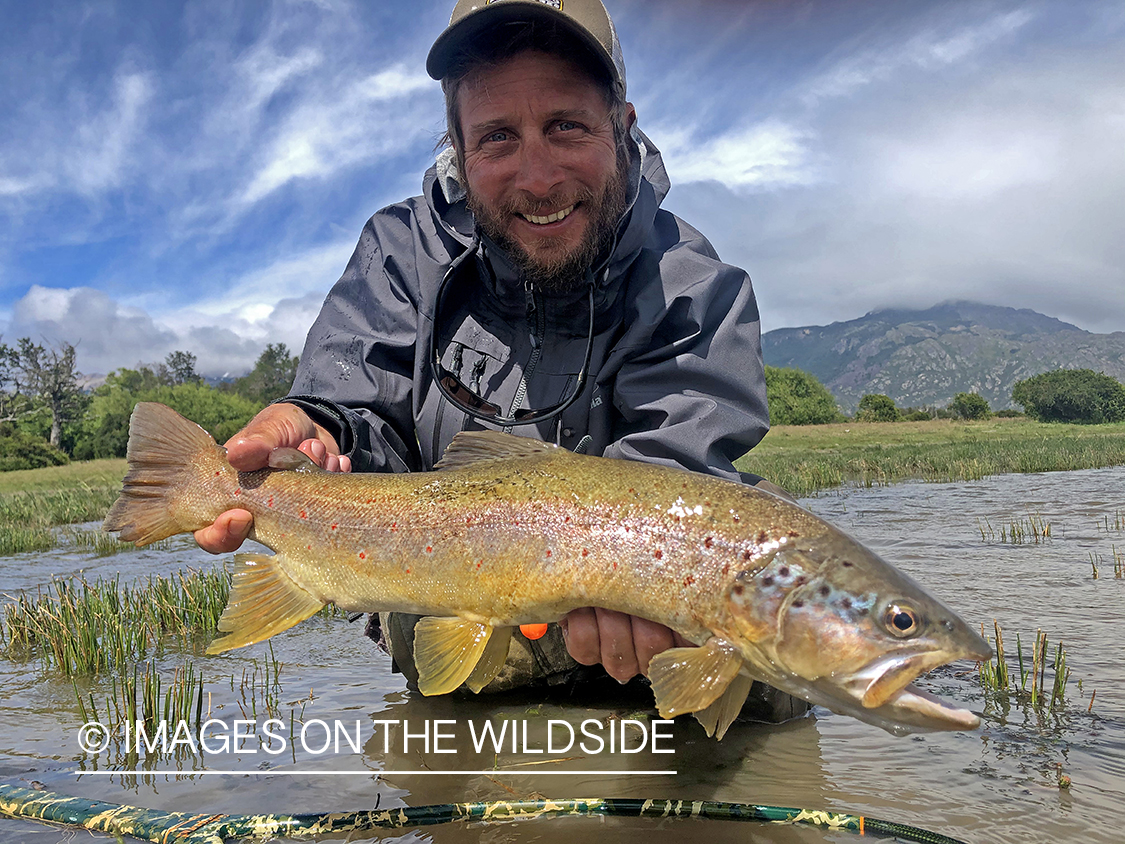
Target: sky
{"points": [[194, 176]]}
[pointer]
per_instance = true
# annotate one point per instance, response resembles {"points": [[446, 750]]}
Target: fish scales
{"points": [[512, 531]]}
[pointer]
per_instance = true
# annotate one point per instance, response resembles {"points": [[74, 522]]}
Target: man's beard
{"points": [[557, 273]]}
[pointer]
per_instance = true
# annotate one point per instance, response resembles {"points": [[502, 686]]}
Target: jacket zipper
{"points": [[537, 325]]}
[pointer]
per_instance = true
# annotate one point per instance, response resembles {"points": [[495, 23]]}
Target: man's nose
{"points": [[539, 171]]}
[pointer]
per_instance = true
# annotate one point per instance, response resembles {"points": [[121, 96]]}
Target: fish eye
{"points": [[901, 620]]}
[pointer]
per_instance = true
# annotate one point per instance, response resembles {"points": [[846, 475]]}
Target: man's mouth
{"points": [[550, 218]]}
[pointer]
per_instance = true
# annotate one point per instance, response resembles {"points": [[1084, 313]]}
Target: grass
{"points": [[808, 458], [1018, 531]]}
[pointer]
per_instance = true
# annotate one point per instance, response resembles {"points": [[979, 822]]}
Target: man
{"points": [[535, 287]]}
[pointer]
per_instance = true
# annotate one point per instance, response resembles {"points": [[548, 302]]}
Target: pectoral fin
{"points": [[263, 601], [446, 650], [717, 717], [492, 660], [690, 679]]}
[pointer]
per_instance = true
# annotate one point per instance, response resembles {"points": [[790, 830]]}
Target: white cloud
{"points": [[368, 119], [767, 155]]}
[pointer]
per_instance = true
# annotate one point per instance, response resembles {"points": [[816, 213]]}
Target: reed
{"points": [[1032, 690], [1118, 523], [80, 628], [1018, 531]]}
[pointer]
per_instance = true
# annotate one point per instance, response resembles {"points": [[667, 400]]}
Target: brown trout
{"points": [[509, 531]]}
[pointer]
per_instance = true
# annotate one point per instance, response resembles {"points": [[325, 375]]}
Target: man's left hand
{"points": [[622, 643]]}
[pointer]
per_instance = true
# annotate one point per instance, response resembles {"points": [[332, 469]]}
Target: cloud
{"points": [[767, 155]]}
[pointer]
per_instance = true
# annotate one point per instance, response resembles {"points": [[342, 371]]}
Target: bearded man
{"points": [[535, 286]]}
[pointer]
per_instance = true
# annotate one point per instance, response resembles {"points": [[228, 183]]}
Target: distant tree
{"points": [[271, 377], [105, 429], [798, 398], [1071, 395], [41, 379], [970, 406], [876, 407], [179, 368]]}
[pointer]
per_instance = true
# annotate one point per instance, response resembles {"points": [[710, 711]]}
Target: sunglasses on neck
{"points": [[467, 400]]}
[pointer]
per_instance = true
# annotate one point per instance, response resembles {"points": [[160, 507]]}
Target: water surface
{"points": [[998, 784]]}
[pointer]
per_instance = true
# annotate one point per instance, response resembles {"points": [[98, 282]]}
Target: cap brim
{"points": [[454, 40]]}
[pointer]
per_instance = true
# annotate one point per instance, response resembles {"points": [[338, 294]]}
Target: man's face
{"points": [[541, 165]]}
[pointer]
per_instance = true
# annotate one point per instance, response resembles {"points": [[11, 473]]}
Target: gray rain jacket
{"points": [[676, 373]]}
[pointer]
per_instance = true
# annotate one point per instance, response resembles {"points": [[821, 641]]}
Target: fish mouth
{"points": [[887, 684]]}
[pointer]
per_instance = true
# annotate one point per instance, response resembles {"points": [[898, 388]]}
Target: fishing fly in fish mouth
{"points": [[537, 285], [511, 530]]}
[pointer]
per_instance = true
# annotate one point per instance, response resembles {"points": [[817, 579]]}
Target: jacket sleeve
{"points": [[356, 371], [690, 388]]}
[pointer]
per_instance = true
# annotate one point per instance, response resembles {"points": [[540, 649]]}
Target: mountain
{"points": [[926, 357]]}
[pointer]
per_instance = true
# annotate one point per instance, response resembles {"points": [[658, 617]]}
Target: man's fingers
{"points": [[227, 533], [319, 453], [580, 632], [649, 639], [619, 656], [277, 426]]}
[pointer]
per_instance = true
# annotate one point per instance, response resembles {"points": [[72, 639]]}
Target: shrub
{"points": [[876, 407], [970, 406], [1071, 395], [798, 398], [20, 450]]}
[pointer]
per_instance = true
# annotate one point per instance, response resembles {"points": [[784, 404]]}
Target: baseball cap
{"points": [[588, 20]]}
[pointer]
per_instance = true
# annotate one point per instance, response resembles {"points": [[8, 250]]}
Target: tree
{"points": [[271, 377], [1071, 395], [35, 378], [179, 368], [970, 406], [876, 407], [798, 398]]}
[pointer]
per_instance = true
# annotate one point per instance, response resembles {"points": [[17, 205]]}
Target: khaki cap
{"points": [[587, 19]]}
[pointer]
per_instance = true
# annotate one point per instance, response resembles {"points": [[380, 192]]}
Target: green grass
{"points": [[804, 459]]}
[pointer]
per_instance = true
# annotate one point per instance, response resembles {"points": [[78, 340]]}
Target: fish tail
{"points": [[164, 454]]}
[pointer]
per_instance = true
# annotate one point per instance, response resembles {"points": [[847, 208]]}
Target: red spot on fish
{"points": [[217, 473], [269, 503], [304, 515], [726, 568], [238, 491], [548, 552], [567, 520], [631, 489], [429, 549], [333, 527], [309, 547], [614, 564], [586, 553], [708, 542], [479, 562], [658, 553], [362, 556], [394, 526], [689, 580], [408, 571]]}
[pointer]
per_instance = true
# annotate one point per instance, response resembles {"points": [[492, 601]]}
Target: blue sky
{"points": [[195, 175]]}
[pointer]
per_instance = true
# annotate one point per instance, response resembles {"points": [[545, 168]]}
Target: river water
{"points": [[997, 784]]}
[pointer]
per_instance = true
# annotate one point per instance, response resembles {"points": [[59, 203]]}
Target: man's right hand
{"points": [[277, 426]]}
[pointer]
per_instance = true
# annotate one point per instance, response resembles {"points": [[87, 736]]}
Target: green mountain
{"points": [[926, 357]]}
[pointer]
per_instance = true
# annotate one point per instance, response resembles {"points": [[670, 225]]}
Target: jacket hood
{"points": [[647, 185]]}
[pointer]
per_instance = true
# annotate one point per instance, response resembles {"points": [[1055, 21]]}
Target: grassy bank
{"points": [[804, 459]]}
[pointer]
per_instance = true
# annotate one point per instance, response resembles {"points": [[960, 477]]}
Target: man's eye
{"points": [[567, 125], [496, 137]]}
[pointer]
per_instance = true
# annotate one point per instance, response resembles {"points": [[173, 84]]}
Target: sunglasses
{"points": [[463, 398]]}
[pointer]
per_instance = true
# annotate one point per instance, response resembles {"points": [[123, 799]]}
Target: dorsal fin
{"points": [[470, 447]]}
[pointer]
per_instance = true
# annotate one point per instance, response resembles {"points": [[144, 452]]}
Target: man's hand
{"points": [[622, 643], [277, 426]]}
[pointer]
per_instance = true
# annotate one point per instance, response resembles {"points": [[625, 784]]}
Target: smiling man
{"points": [[535, 287]]}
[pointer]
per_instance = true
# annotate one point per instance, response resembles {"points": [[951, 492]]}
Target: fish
{"points": [[509, 530]]}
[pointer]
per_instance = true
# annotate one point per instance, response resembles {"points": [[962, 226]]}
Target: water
{"points": [[998, 784]]}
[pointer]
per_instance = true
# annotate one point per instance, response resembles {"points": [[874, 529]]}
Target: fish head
{"points": [[840, 627]]}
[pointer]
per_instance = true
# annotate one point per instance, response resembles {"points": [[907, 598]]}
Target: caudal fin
{"points": [[164, 460]]}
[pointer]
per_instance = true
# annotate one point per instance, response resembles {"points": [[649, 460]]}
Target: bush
{"points": [[970, 406], [1008, 413], [1071, 395], [798, 398], [20, 450], [877, 408]]}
